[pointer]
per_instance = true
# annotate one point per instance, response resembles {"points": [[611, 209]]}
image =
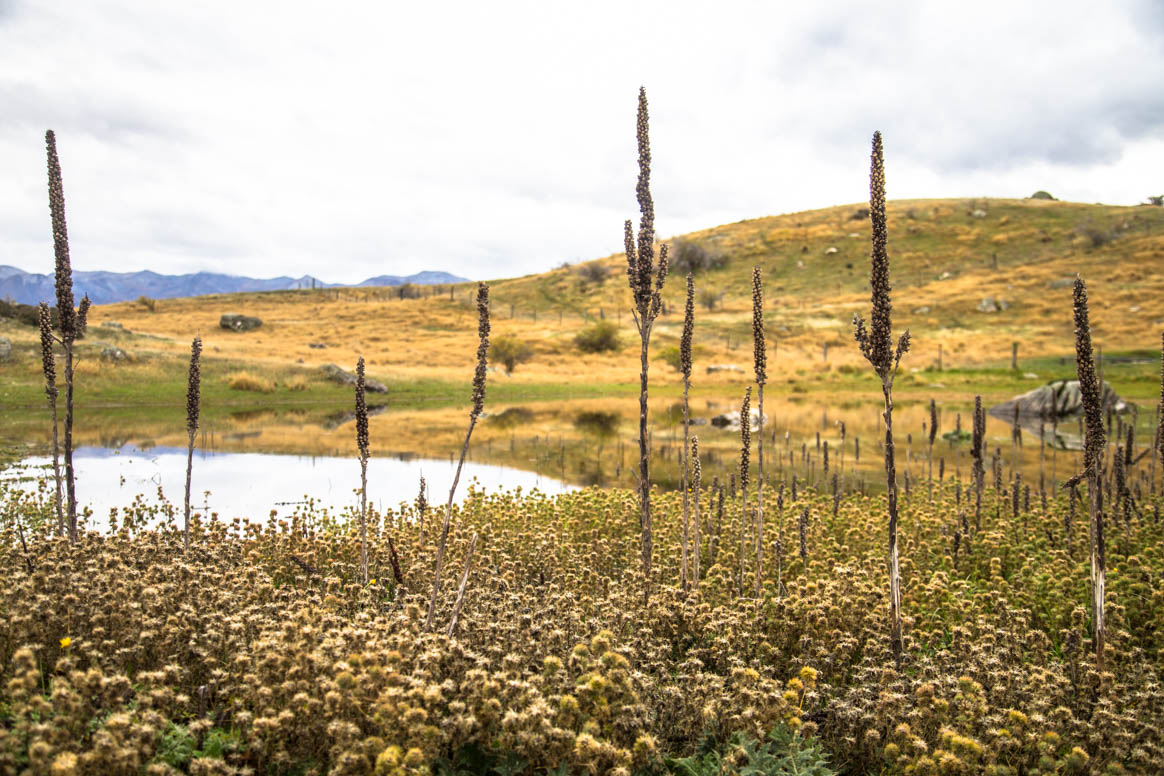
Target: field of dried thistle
{"points": [[753, 626]]}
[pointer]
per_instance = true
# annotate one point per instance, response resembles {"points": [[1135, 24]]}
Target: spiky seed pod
{"points": [[482, 350], [361, 411], [759, 352], [193, 386], [688, 328], [933, 421], [1094, 437], [64, 267], [48, 359], [745, 438]]}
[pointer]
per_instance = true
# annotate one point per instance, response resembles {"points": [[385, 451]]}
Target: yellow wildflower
{"points": [[65, 642]]}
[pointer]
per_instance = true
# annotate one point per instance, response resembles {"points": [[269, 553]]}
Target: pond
{"points": [[252, 485]]}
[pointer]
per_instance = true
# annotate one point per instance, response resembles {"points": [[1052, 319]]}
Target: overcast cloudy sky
{"points": [[489, 139]]}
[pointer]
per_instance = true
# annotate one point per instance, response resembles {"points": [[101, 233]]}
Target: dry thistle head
{"points": [[1094, 438], [64, 268], [688, 329], [361, 411], [876, 342], [193, 386], [482, 350], [759, 352], [640, 257], [48, 360], [745, 438]]}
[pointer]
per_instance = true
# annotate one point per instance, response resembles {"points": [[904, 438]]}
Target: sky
{"points": [[352, 139]]}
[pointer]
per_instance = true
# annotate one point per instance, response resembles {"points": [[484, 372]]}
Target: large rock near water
{"points": [[1056, 400], [344, 377], [1044, 412], [239, 322]]}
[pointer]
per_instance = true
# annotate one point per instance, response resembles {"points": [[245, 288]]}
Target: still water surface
{"points": [[250, 485]]}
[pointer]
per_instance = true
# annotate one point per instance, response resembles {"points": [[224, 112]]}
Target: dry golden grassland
{"points": [[942, 265]]}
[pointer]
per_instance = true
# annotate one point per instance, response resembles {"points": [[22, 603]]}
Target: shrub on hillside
{"points": [[593, 272], [509, 352], [599, 338], [688, 256]]}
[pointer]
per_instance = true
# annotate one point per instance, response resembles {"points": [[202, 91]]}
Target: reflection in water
{"points": [[250, 485], [584, 442]]}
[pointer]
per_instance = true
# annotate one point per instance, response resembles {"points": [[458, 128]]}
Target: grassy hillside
{"points": [[947, 256]]}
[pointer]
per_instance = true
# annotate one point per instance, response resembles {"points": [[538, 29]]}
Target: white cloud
{"points": [[357, 139]]}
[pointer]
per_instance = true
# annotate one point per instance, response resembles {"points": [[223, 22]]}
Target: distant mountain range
{"points": [[106, 287]]}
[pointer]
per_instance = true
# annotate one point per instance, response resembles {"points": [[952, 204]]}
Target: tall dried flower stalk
{"points": [[933, 436], [421, 505], [1095, 440], [646, 284], [685, 365], [362, 444], [474, 414], [979, 468], [72, 321], [49, 365], [760, 364], [696, 487], [877, 346], [745, 466], [193, 397]]}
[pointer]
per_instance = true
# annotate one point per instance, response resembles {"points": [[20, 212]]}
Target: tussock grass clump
{"points": [[246, 381]]}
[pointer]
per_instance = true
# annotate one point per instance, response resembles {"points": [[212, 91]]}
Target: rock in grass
{"points": [[5, 349], [239, 322], [114, 355], [344, 377]]}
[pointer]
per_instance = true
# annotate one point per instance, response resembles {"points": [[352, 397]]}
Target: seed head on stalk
{"points": [[361, 410], [759, 352], [745, 438], [194, 386], [482, 351], [48, 359], [1094, 437], [876, 342], [64, 268], [688, 329]]}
